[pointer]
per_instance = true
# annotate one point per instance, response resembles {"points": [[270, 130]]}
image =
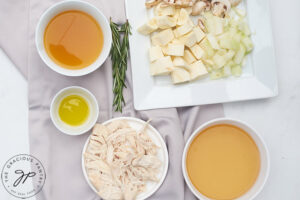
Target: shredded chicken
{"points": [[120, 160]]}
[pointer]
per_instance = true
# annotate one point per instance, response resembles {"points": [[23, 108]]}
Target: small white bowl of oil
{"points": [[74, 110]]}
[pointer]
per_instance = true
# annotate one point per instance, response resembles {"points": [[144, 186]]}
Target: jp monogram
{"points": [[23, 176]]}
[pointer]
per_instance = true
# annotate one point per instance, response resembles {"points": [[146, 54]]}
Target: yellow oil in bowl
{"points": [[74, 110]]}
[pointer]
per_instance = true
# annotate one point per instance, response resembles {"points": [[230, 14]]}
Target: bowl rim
{"points": [[88, 69], [94, 121], [223, 120], [164, 149]]}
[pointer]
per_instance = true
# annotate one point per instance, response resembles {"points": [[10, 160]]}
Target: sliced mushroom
{"points": [[151, 3], [164, 4], [170, 2], [198, 8], [235, 2], [201, 24], [180, 3], [208, 4], [220, 7]]}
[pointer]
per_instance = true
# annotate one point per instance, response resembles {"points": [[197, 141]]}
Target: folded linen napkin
{"points": [[61, 154]]}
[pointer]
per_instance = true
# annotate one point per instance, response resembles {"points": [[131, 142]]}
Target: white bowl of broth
{"points": [[73, 38], [225, 159]]}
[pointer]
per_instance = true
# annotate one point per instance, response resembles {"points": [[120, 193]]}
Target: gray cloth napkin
{"points": [[61, 154]]}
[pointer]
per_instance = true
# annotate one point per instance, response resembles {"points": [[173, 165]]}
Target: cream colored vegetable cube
{"points": [[190, 39], [164, 49], [164, 22], [164, 10], [176, 14], [205, 45], [188, 57], [214, 24], [197, 69], [161, 66], [179, 62], [155, 53], [199, 33], [218, 25], [197, 51], [180, 75], [175, 49], [181, 30], [177, 41], [183, 17], [149, 27], [180, 40], [162, 38]]}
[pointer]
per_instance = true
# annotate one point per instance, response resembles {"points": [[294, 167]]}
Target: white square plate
{"points": [[259, 78]]}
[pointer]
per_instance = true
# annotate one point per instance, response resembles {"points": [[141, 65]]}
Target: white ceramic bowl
{"points": [[137, 124], [264, 156], [92, 103], [73, 5]]}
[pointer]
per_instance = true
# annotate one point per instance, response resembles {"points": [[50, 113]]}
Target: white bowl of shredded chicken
{"points": [[125, 158]]}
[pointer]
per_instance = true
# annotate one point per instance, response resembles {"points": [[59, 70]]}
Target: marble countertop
{"points": [[277, 119]]}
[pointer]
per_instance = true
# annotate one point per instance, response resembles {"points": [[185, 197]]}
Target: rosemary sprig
{"points": [[119, 56]]}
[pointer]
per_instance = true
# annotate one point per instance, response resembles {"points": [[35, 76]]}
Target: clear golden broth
{"points": [[73, 39], [223, 162]]}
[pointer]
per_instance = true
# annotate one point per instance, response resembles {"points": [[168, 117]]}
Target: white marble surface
{"points": [[277, 119], [13, 115]]}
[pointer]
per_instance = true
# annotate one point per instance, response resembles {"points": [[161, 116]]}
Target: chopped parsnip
{"points": [[180, 75], [187, 51], [162, 66]]}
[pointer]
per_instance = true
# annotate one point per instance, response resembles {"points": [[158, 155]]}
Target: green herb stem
{"points": [[119, 56]]}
